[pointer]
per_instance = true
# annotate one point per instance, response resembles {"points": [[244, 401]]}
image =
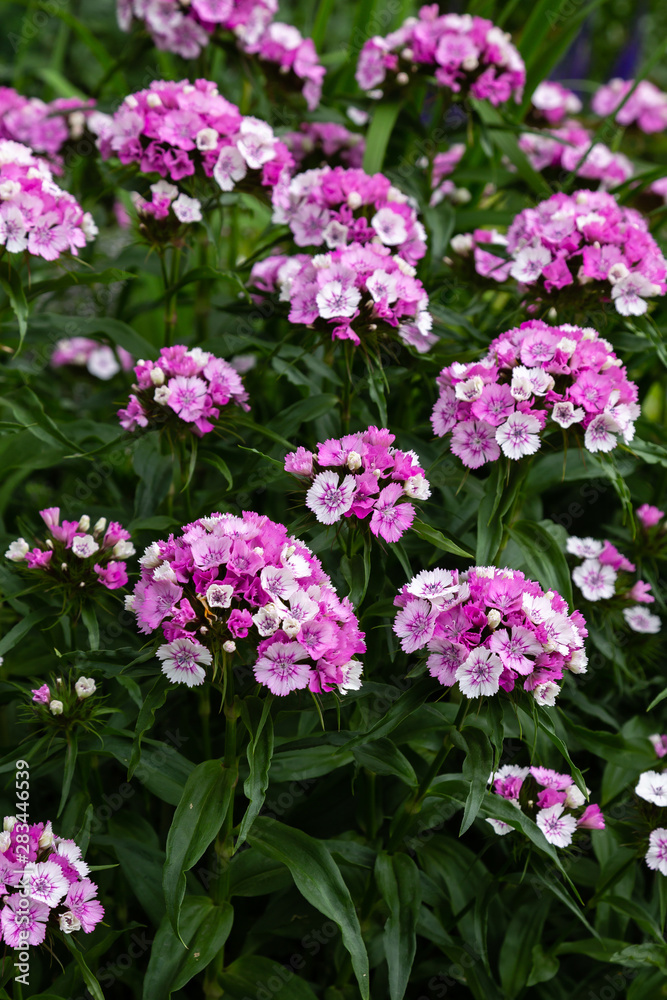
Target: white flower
{"points": [[183, 661], [229, 646], [462, 244], [557, 829], [230, 167], [84, 523], [641, 620], [219, 595], [652, 787], [546, 693], [152, 556], [595, 580], [46, 836], [267, 619], [162, 395], [335, 300], [390, 227], [585, 548], [436, 585], [5, 841], [68, 922], [128, 602], [601, 433], [56, 707], [99, 526], [382, 285], [187, 209], [17, 550], [351, 676], [578, 662], [163, 189], [656, 856], [499, 826], [574, 797], [519, 436], [206, 139], [84, 546], [479, 673], [45, 881], [102, 363], [256, 143], [565, 414], [470, 389], [417, 487], [84, 687], [164, 572], [123, 549], [529, 263]]}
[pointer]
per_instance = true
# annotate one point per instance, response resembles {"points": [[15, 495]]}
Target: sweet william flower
{"points": [[85, 687], [652, 787], [183, 661], [656, 856]]}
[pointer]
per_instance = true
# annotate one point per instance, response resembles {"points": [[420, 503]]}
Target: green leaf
{"points": [[154, 700], [256, 714], [543, 557], [383, 757], [89, 619], [205, 927], [399, 883], [68, 770], [404, 706], [476, 769], [356, 573], [545, 723], [219, 464], [379, 131], [521, 935], [22, 628], [435, 537], [199, 815], [318, 879], [65, 281], [506, 141], [89, 979], [12, 284], [249, 975]]}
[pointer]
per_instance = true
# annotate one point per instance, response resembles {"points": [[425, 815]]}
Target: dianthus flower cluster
{"points": [[336, 207], [35, 214], [488, 629], [45, 128], [229, 579], [551, 102], [565, 147], [652, 787], [599, 579], [367, 286], [377, 479], [551, 799], [317, 143], [186, 26], [584, 239], [163, 219], [646, 108], [181, 129], [45, 885], [100, 360], [185, 386], [466, 54], [73, 556], [533, 374], [445, 164]]}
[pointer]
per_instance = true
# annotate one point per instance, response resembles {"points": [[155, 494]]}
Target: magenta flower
{"points": [[591, 818], [41, 695], [187, 397], [474, 442], [649, 516], [21, 921], [81, 903], [112, 576], [391, 519]]}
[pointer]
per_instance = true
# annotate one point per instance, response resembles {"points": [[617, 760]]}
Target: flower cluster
{"points": [[35, 214], [533, 374], [467, 55], [586, 239], [163, 219], [84, 687], [73, 556], [564, 148], [325, 142], [336, 207], [227, 579], [646, 107], [553, 800], [187, 386], [489, 628], [364, 285], [598, 579], [45, 128], [181, 129], [186, 28], [45, 884], [100, 360], [652, 787], [378, 479], [551, 102]]}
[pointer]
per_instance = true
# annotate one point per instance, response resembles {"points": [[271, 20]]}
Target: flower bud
{"points": [[84, 523], [229, 646], [56, 707], [354, 461], [157, 376], [493, 618], [84, 687], [100, 526]]}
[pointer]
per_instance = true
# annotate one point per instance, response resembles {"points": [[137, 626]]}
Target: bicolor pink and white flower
{"points": [[490, 628], [244, 585], [656, 856], [101, 361], [646, 107], [531, 375], [652, 787]]}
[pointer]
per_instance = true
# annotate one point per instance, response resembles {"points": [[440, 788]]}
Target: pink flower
{"points": [[239, 622], [591, 818], [557, 828], [414, 625], [390, 519], [475, 443], [595, 580], [479, 673], [280, 668], [649, 516], [41, 695], [656, 856], [38, 559], [187, 397], [81, 903], [23, 921], [515, 648], [299, 462], [518, 435], [113, 576]]}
